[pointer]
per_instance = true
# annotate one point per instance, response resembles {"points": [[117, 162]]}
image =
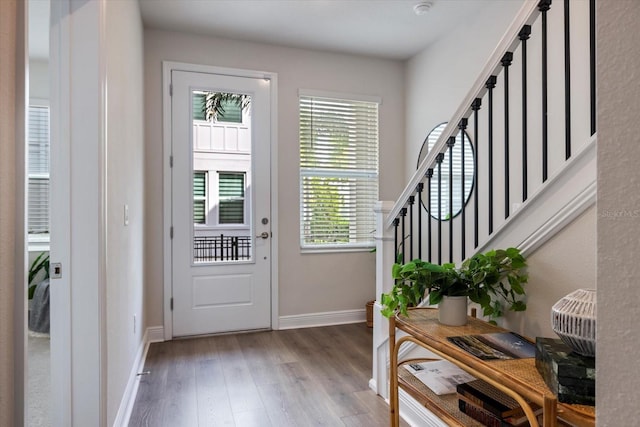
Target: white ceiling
{"points": [[382, 28]]}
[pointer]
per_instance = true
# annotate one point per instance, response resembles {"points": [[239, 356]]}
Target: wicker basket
{"points": [[369, 309], [573, 318]]}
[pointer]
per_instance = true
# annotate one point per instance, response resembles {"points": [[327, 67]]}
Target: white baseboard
{"points": [[153, 334], [329, 318]]}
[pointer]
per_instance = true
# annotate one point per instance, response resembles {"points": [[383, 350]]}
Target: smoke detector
{"points": [[423, 7]]}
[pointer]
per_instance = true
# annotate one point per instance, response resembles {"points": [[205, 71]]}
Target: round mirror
{"points": [[469, 172]]}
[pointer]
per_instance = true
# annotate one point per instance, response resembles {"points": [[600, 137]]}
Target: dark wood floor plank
{"points": [[291, 378], [243, 393], [214, 403], [253, 418], [281, 409], [180, 399], [300, 389]]}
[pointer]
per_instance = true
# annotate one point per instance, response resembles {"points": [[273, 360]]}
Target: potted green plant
{"points": [[38, 292], [492, 280], [40, 264]]}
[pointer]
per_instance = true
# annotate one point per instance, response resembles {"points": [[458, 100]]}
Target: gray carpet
{"points": [[38, 380]]}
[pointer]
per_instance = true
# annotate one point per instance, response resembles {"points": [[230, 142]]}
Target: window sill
{"points": [[331, 250], [38, 247]]}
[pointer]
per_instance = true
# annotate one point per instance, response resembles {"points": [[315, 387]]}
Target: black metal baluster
{"points": [[439, 159], [411, 202], [524, 36], [506, 62], [544, 6], [419, 189], [234, 246], [463, 219], [475, 106], [429, 175], [491, 83], [567, 82], [592, 62], [403, 214], [222, 247], [396, 222], [450, 143]]}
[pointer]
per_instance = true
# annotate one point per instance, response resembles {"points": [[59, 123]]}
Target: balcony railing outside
{"points": [[221, 248]]}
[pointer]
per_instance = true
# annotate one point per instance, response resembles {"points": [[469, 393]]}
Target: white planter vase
{"points": [[573, 318], [452, 311]]}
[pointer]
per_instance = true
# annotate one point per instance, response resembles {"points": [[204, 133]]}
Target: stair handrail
{"points": [[527, 15]]}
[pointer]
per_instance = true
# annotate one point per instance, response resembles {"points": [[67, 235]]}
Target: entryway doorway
{"points": [[220, 209]]}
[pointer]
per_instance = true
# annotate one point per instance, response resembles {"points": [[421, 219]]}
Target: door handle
{"points": [[263, 235]]}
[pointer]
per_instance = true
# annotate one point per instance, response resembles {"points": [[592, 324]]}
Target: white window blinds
{"points": [[231, 198], [338, 172], [199, 197], [38, 170]]}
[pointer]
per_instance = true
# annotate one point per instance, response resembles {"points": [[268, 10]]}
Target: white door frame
{"points": [[78, 203], [167, 67]]}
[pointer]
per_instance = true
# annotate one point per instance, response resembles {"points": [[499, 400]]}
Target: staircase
{"points": [[530, 119]]}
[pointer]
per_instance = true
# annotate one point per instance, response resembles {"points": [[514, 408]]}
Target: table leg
{"points": [[550, 412]]}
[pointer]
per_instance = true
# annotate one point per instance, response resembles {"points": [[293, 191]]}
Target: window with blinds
{"points": [[38, 171], [231, 198], [199, 197], [338, 172]]}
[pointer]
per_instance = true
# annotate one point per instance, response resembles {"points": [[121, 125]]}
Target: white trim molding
{"points": [[151, 335], [311, 320], [155, 334]]}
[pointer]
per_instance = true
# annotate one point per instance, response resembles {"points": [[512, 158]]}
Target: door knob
{"points": [[263, 235]]}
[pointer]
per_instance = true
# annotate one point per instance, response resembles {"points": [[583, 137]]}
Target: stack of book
{"points": [[491, 407]]}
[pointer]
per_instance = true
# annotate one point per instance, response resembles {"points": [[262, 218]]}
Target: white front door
{"points": [[221, 213]]}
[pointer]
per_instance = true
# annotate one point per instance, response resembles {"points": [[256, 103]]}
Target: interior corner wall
{"points": [[564, 263], [125, 186], [308, 283], [618, 213], [438, 78]]}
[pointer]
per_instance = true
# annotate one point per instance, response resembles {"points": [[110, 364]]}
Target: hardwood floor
{"points": [[297, 378]]}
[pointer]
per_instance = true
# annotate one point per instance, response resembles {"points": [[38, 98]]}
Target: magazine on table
{"points": [[496, 346], [441, 376]]}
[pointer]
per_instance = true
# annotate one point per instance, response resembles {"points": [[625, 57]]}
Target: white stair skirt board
{"points": [[152, 334], [310, 320], [411, 411], [415, 414]]}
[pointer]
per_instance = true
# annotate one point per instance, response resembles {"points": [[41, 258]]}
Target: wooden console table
{"points": [[518, 378]]}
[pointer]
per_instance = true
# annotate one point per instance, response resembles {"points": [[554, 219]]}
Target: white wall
{"points": [[125, 185], [38, 79], [309, 283], [618, 337], [439, 77], [563, 264]]}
